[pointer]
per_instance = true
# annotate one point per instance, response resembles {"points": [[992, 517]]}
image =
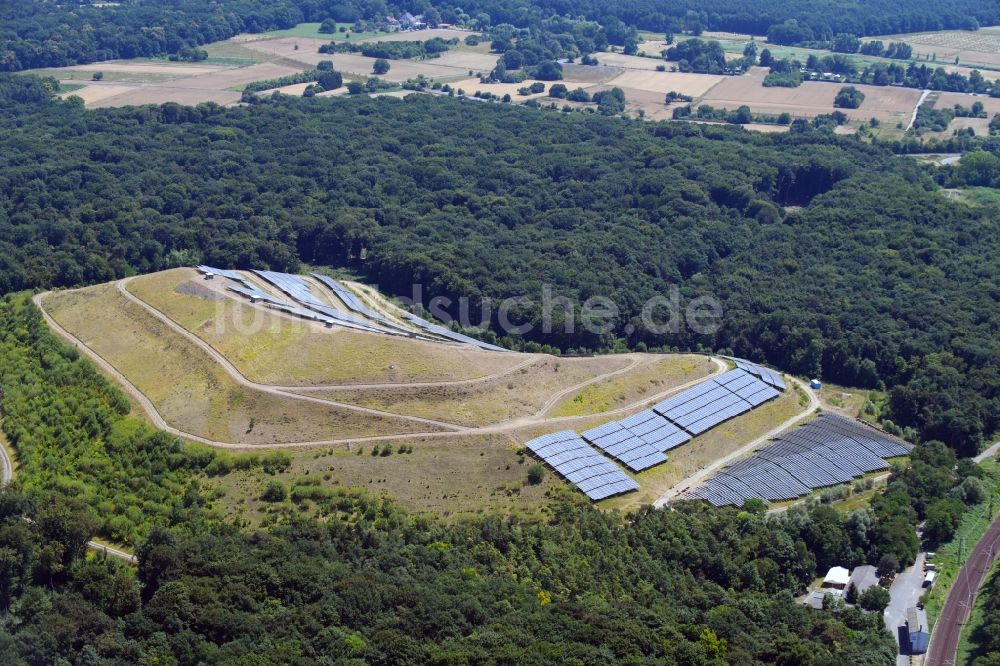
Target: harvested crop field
{"points": [[307, 52], [981, 126], [143, 67], [400, 70], [812, 98], [573, 74], [192, 392], [947, 100], [629, 61], [523, 392], [161, 95], [980, 47], [273, 349], [466, 60], [420, 35], [694, 85], [95, 93]]}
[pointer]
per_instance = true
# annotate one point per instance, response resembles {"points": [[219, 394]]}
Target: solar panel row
{"points": [[255, 294], [829, 450], [582, 465], [716, 400], [349, 298], [449, 334], [633, 441], [292, 285], [231, 275], [767, 375]]}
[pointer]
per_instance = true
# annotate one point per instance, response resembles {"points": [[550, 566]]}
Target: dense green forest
{"points": [[45, 33], [361, 581], [831, 256]]}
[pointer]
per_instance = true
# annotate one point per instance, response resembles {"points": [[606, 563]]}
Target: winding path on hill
{"points": [[240, 379], [704, 472], [505, 427]]}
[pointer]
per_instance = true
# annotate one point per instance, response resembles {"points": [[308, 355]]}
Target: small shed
{"points": [[816, 384], [917, 633], [837, 578]]}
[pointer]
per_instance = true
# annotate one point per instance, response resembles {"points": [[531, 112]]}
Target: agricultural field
{"points": [[812, 98], [972, 49]]}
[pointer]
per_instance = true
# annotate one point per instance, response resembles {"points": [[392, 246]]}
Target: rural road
{"points": [[704, 472], [158, 422], [7, 473], [988, 453], [948, 628]]}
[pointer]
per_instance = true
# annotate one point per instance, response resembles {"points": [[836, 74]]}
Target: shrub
{"points": [[275, 492]]}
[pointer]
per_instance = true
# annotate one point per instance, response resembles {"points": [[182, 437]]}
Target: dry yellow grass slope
{"points": [[272, 349], [520, 393], [655, 375], [190, 391]]}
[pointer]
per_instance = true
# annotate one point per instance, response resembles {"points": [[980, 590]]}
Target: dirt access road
{"points": [[452, 430]]}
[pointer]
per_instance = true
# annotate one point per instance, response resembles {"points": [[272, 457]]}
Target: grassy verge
{"points": [[950, 557], [968, 648]]}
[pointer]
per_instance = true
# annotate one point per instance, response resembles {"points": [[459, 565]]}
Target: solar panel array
{"points": [[299, 289], [232, 275], [449, 334], [767, 375], [714, 401], [293, 285], [582, 465], [255, 294], [638, 441], [349, 298], [826, 451]]}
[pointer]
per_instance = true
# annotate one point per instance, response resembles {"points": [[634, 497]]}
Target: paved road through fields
{"points": [[961, 597]]}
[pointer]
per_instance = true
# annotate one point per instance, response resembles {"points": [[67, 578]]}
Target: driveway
{"points": [[904, 593]]}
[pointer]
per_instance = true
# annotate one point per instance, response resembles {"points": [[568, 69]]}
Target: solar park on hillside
{"points": [[306, 304], [642, 440], [826, 451]]}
